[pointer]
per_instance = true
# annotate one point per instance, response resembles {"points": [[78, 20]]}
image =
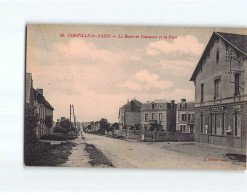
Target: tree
{"points": [[115, 126], [31, 123], [30, 137], [138, 126], [155, 126], [64, 127], [104, 125]]}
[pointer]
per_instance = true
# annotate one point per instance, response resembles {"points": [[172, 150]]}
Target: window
{"points": [[160, 116], [217, 57], [153, 116], [152, 106], [202, 92], [183, 117], [182, 128], [146, 117], [191, 117], [236, 82], [217, 88]]}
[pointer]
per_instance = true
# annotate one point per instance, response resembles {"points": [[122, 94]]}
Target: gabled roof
{"points": [[237, 41], [45, 102]]}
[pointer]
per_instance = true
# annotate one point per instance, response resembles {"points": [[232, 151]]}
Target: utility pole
{"points": [[74, 118], [70, 117]]}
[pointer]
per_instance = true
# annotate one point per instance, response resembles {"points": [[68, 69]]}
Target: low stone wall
{"points": [[169, 136], [156, 136], [221, 140]]}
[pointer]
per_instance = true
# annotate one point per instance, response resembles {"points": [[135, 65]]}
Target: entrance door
{"points": [[218, 124]]}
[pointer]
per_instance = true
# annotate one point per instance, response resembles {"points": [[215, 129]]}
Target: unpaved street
{"points": [[134, 154]]}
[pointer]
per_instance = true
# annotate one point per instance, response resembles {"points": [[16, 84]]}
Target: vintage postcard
{"points": [[151, 97]]}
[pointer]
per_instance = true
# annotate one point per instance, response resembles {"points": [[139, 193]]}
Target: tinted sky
{"points": [[98, 75]]}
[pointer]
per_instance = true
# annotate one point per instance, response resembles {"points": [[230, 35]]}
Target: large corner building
{"points": [[221, 91]]}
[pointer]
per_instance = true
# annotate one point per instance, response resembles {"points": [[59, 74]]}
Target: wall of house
{"points": [[163, 121], [132, 118], [211, 70]]}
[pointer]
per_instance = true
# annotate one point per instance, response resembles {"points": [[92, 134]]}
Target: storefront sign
{"points": [[218, 108]]}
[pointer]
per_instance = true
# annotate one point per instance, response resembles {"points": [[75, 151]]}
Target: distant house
{"points": [[159, 112], [42, 107], [220, 91], [185, 116], [130, 114], [44, 110]]}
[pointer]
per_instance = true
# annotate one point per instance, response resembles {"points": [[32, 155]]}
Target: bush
{"points": [[64, 127], [30, 125]]}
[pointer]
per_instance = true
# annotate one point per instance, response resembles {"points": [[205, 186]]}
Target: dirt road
{"points": [[133, 154]]}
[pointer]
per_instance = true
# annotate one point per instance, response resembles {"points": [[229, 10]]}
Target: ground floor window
{"points": [[146, 117], [160, 117], [183, 128]]}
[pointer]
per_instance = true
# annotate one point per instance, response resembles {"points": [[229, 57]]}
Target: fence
{"points": [[156, 136]]}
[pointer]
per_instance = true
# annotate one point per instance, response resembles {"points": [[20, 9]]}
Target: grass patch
{"points": [[237, 157], [45, 154], [96, 156]]}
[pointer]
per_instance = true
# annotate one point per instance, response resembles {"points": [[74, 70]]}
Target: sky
{"points": [[100, 74]]}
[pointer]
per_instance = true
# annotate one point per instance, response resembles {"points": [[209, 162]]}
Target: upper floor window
{"points": [[202, 92], [236, 82], [191, 117], [146, 117], [152, 106], [153, 116], [217, 88], [217, 56], [183, 117], [160, 116]]}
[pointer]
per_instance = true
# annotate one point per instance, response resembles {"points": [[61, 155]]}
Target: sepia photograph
{"points": [[153, 97]]}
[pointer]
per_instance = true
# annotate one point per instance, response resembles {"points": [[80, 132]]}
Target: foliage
{"points": [[115, 126], [31, 122], [48, 121], [45, 154], [155, 126], [138, 126], [104, 125], [64, 127], [110, 128]]}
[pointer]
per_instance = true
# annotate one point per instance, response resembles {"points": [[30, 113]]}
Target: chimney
{"points": [[40, 91], [172, 104], [183, 100]]}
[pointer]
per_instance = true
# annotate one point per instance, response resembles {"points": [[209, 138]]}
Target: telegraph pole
{"points": [[70, 117], [74, 118]]}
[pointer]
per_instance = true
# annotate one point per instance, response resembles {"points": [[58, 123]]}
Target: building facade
{"points": [[159, 112], [130, 114], [45, 111], [42, 107], [185, 117], [220, 91]]}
